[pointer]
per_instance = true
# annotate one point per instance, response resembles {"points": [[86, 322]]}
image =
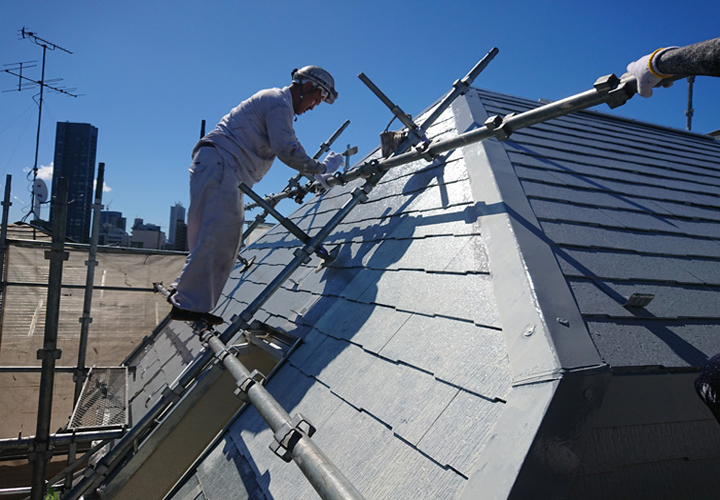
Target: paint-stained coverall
{"points": [[240, 149]]}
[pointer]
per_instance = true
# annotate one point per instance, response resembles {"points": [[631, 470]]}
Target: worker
{"points": [[241, 149], [701, 58]]}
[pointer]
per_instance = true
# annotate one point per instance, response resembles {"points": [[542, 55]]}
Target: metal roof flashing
{"points": [[545, 333]]}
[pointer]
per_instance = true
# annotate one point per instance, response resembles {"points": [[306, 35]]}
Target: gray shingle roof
{"points": [[463, 292], [629, 208]]}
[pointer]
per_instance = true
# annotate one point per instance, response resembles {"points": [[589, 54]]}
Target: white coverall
{"points": [[241, 148]]}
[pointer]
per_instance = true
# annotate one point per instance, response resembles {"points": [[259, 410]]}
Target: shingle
{"points": [[367, 325], [653, 343], [365, 450], [469, 297], [307, 347], [462, 431], [471, 256], [553, 210], [592, 197], [430, 254], [456, 220], [645, 242], [225, 473], [461, 353], [379, 464], [403, 398], [628, 265], [190, 490], [606, 298]]}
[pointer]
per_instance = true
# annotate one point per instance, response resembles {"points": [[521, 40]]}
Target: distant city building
{"points": [[75, 151], [181, 243], [112, 229], [147, 236], [177, 213]]}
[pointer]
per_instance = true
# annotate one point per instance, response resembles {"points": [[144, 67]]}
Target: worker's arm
{"points": [[701, 58], [288, 149]]}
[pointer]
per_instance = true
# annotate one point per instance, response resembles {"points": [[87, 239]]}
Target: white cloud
{"points": [[45, 172], [106, 188]]}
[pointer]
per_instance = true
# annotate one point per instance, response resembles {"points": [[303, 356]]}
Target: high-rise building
{"points": [[75, 150], [177, 213], [181, 243]]}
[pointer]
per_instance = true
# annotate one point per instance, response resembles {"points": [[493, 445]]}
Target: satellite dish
{"points": [[40, 190], [40, 195]]}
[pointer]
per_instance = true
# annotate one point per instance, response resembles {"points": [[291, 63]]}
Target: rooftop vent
{"points": [[639, 300]]}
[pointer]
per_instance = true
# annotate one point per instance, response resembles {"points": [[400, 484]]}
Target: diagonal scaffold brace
{"points": [[268, 204]]}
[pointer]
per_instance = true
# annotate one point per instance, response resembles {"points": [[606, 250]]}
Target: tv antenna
{"points": [[25, 83]]}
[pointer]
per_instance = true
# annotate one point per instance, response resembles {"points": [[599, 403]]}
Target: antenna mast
{"points": [[42, 83]]}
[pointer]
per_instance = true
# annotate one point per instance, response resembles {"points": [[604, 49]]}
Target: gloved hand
{"points": [[322, 179], [332, 162], [646, 80]]}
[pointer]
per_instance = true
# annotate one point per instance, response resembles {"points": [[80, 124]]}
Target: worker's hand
{"points": [[322, 179], [646, 80], [332, 162]]}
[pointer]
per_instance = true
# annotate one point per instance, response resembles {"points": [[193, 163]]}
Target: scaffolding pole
{"points": [[689, 112], [93, 479], [610, 90], [85, 320], [6, 204], [62, 438], [292, 435], [42, 451], [91, 263]]}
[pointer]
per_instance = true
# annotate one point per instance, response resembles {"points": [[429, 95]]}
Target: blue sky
{"points": [[150, 71]]}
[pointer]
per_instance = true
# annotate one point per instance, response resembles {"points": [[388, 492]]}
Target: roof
{"points": [[465, 293], [628, 208]]}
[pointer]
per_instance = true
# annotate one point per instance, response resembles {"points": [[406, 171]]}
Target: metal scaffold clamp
{"points": [[498, 126], [243, 387], [289, 434], [424, 149], [619, 90]]}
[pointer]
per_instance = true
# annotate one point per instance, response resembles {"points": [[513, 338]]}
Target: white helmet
{"points": [[320, 78]]}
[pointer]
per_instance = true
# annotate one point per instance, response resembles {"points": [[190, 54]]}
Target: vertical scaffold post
{"points": [[91, 263], [6, 204], [85, 320], [49, 353], [689, 112]]}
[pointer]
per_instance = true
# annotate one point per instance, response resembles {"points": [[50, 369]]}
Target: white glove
{"points": [[646, 77], [332, 162], [322, 179]]}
